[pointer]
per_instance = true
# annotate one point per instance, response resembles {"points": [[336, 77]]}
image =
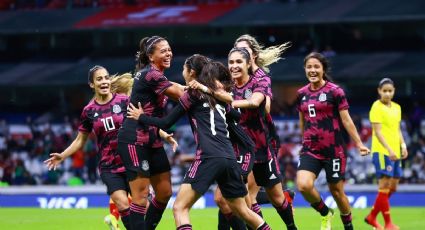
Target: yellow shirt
{"points": [[389, 118]]}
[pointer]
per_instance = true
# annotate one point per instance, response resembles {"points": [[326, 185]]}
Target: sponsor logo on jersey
{"points": [[303, 99], [335, 175], [116, 109], [95, 114], [322, 97]]}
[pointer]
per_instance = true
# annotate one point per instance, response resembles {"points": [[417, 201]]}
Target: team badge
{"points": [[247, 94], [116, 109], [389, 168], [322, 97], [145, 165]]}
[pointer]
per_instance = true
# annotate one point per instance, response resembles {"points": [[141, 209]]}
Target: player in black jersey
{"points": [[140, 146], [215, 159]]}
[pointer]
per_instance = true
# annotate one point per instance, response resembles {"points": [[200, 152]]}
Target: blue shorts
{"points": [[385, 166]]}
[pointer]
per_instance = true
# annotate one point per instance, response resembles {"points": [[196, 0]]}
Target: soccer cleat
{"points": [[112, 222], [372, 222], [327, 220], [391, 226]]}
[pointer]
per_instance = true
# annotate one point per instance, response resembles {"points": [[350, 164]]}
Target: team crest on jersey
{"points": [[116, 109], [322, 97], [389, 168], [247, 94], [145, 165]]}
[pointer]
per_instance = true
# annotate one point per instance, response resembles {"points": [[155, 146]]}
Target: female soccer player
{"points": [[261, 59], [104, 115], [250, 98], [215, 159], [323, 112], [388, 148], [140, 146]]}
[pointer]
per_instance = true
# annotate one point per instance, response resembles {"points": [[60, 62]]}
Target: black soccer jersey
{"points": [[148, 87]]}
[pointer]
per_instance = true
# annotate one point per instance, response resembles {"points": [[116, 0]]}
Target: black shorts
{"points": [[334, 167], [267, 174], [115, 182], [245, 162], [226, 172], [145, 161]]}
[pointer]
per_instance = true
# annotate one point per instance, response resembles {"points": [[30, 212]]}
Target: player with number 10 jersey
{"points": [[105, 121]]}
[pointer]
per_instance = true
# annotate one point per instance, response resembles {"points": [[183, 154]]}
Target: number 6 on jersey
{"points": [[311, 110]]}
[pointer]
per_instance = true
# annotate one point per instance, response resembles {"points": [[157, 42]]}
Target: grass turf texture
{"points": [[306, 218]]}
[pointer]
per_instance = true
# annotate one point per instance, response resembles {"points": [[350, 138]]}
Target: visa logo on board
{"points": [[62, 202]]}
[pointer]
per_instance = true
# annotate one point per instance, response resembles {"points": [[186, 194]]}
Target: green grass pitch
{"points": [[206, 219]]}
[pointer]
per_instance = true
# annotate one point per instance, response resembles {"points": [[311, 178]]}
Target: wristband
{"points": [[404, 146]]}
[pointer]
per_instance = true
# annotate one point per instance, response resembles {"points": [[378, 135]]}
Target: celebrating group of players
{"points": [[229, 113]]}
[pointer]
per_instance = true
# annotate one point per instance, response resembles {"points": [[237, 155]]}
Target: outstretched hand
{"points": [[54, 160], [170, 139], [363, 150], [134, 112]]}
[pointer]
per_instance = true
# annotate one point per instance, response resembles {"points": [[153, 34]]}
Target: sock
{"points": [[185, 227], [223, 224], [154, 214], [235, 222], [257, 209], [321, 207], [264, 226], [347, 221], [385, 208], [113, 209], [262, 197], [137, 216], [379, 201], [125, 218], [285, 213]]}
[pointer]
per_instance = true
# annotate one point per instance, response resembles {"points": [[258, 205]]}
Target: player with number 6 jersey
{"points": [[323, 111]]}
